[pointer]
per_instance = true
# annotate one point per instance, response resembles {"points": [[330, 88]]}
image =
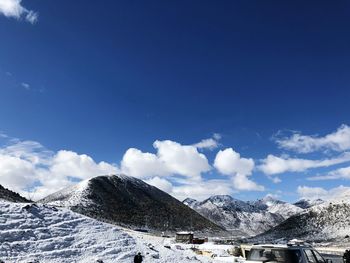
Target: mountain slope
{"points": [[130, 202], [8, 195], [243, 218], [307, 203], [279, 207], [328, 221], [40, 233]]}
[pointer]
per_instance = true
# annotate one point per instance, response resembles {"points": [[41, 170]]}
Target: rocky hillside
{"points": [[243, 218], [328, 221], [132, 203], [8, 195]]}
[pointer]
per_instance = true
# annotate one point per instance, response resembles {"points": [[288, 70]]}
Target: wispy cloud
{"points": [[211, 143], [338, 140], [277, 165], [25, 85], [341, 173], [15, 9], [313, 193]]}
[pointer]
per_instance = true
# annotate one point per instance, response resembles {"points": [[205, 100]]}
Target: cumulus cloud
{"points": [[171, 158], [276, 165], [338, 140], [15, 9], [143, 165], [341, 173], [229, 162], [28, 167], [32, 170], [161, 184], [180, 159], [177, 169], [313, 193]]}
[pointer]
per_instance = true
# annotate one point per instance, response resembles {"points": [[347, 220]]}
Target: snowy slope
{"points": [[307, 203], [244, 218], [132, 203], [328, 221], [31, 232], [279, 207]]}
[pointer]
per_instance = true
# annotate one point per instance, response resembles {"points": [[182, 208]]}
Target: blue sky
{"points": [[96, 79]]}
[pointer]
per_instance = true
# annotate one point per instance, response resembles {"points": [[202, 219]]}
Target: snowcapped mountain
{"points": [[8, 195], [130, 202], [279, 207], [307, 203], [45, 234], [243, 218], [327, 221]]}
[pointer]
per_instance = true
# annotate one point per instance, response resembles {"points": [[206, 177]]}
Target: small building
{"points": [[199, 240], [184, 237]]}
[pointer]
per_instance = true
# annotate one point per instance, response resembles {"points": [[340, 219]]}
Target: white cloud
{"points": [[313, 193], [210, 143], [180, 159], [198, 190], [229, 162], [276, 165], [14, 8], [143, 165], [27, 166], [337, 141], [171, 158], [30, 169], [341, 173], [202, 190], [16, 173], [161, 184], [25, 85], [184, 165]]}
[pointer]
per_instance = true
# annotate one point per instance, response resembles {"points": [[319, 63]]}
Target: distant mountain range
{"points": [[244, 218], [8, 195], [132, 203], [324, 221]]}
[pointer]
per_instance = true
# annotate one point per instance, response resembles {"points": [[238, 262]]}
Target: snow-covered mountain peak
{"points": [[190, 201], [243, 217], [270, 200], [307, 203], [220, 200], [130, 202]]}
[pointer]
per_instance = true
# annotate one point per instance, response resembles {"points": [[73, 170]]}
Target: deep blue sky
{"points": [[109, 75]]}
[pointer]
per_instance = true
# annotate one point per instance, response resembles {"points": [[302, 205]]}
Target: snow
{"points": [[244, 218], [30, 232], [75, 193]]}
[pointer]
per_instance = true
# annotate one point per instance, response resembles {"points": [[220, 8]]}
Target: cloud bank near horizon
{"points": [[181, 170]]}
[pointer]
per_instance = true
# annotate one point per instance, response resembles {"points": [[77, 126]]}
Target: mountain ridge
{"points": [[245, 218], [130, 202], [8, 195]]}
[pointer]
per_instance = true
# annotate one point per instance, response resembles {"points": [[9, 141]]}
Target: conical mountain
{"points": [[131, 203]]}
